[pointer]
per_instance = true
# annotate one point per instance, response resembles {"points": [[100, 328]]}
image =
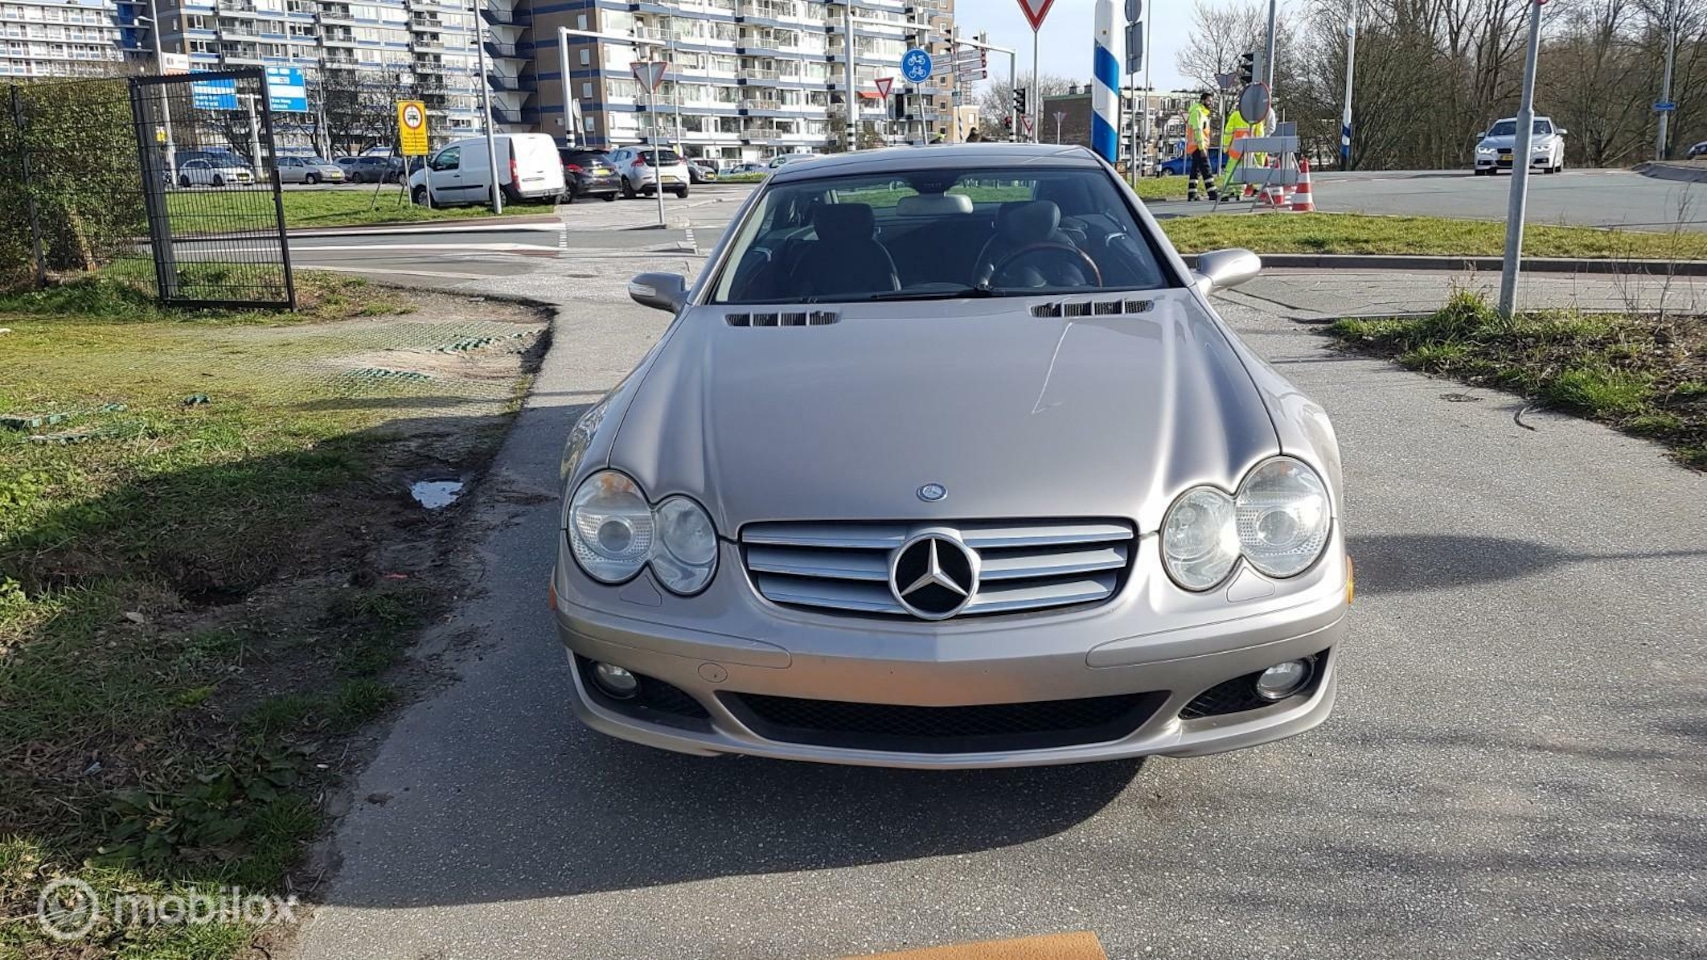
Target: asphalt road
{"points": [[1515, 767], [1585, 198]]}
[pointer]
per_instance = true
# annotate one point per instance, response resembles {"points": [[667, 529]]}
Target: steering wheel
{"points": [[1079, 258]]}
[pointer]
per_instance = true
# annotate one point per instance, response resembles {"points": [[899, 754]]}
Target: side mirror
{"points": [[1220, 269], [660, 291], [1561, 131]]}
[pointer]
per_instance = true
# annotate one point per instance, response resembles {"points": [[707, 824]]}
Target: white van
{"points": [[528, 169]]}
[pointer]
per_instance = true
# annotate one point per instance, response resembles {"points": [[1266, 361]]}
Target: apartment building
{"points": [[747, 78]]}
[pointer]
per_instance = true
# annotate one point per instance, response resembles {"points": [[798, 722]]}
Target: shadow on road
{"points": [[1412, 563]]}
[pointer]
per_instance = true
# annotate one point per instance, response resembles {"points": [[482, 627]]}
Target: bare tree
{"points": [[997, 99]]}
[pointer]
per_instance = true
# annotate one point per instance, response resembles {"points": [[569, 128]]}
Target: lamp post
{"points": [[153, 19], [1350, 64], [486, 108]]}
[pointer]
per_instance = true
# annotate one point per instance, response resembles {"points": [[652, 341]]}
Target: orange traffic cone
{"points": [[1302, 202]]}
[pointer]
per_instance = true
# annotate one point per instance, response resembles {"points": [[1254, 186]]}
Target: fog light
{"points": [[615, 681], [1283, 679]]}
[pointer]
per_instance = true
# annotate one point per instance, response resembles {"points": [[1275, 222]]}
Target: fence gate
{"points": [[211, 189]]}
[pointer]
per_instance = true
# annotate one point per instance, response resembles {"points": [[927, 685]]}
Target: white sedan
{"points": [[1494, 148], [206, 173]]}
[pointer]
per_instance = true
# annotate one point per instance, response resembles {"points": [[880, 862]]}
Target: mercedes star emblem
{"points": [[933, 575], [932, 492]]}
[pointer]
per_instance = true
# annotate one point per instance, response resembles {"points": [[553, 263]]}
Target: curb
{"points": [[1351, 261], [1683, 172], [458, 225]]}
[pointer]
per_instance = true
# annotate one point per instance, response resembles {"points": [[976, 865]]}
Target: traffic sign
{"points": [[650, 73], [286, 90], [1025, 123], [1035, 11], [916, 65], [412, 127], [883, 85], [213, 94], [1134, 10], [1254, 101], [1664, 106]]}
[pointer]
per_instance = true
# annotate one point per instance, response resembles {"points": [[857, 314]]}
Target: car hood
{"points": [[1017, 415]]}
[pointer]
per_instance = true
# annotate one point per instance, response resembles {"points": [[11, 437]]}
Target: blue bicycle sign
{"points": [[916, 65]]}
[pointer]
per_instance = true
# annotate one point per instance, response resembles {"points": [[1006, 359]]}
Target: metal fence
{"points": [[210, 189]]}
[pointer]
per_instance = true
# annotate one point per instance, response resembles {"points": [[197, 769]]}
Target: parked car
{"points": [[640, 169], [309, 170], [783, 159], [973, 573], [209, 173], [529, 168], [1180, 166], [1698, 150], [367, 169], [742, 169], [588, 173], [1494, 147], [702, 171]]}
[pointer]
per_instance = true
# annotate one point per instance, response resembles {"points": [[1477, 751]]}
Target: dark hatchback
{"points": [[588, 173]]}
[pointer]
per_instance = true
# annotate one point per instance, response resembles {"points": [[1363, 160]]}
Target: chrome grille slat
{"points": [[861, 596], [1027, 566], [832, 564], [1024, 565], [1001, 598]]}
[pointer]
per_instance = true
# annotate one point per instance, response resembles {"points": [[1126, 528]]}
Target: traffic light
{"points": [[1019, 100], [1247, 68], [898, 106]]}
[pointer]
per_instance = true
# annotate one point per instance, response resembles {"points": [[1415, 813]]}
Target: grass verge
{"points": [[1432, 236], [1645, 375], [209, 572], [207, 209]]}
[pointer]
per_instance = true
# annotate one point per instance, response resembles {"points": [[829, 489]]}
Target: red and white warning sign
{"points": [[650, 73], [1026, 123], [883, 86], [1035, 11]]}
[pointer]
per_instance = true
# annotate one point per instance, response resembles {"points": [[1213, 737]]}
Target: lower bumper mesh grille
{"points": [[1003, 726]]}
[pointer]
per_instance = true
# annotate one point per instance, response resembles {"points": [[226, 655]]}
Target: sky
{"points": [[1066, 36]]}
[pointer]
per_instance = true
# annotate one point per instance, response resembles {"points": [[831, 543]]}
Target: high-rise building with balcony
{"points": [[747, 78]]}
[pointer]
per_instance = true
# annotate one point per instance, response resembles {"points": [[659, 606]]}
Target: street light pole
{"points": [[480, 34], [853, 86], [1350, 64], [1520, 167], [1665, 82], [1268, 48], [165, 102]]}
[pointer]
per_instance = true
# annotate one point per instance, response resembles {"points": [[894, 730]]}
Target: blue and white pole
{"points": [[1105, 96]]}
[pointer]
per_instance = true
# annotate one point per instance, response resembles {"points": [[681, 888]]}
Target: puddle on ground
{"points": [[436, 494]]}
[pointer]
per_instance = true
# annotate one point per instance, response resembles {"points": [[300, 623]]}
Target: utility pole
{"points": [[165, 101], [254, 132], [1268, 48], [1035, 105], [1520, 167], [853, 85], [1350, 64], [1665, 83], [480, 35]]}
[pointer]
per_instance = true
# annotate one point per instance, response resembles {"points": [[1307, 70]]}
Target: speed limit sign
{"points": [[412, 127]]}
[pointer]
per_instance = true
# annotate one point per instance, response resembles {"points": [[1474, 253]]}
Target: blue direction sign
{"points": [[1664, 106], [214, 95], [286, 90], [916, 65]]}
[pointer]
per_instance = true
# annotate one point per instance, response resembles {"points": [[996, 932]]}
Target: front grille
{"points": [[1024, 565], [993, 727]]}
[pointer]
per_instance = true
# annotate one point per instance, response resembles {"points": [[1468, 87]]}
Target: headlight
{"points": [[610, 527], [1284, 517], [1484, 149], [1200, 538], [687, 542], [614, 532]]}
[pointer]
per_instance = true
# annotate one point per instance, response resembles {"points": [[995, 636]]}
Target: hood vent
{"points": [[814, 318], [1091, 308]]}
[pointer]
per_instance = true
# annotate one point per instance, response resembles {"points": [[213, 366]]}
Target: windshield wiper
{"points": [[957, 293]]}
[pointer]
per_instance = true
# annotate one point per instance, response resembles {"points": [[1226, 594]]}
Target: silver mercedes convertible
{"points": [[947, 461]]}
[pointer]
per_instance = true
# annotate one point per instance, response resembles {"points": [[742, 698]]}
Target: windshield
{"points": [[936, 234], [1508, 128]]}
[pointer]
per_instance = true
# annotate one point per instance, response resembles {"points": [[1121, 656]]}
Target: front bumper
{"points": [[887, 666]]}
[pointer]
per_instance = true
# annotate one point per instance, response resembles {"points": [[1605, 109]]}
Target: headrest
{"points": [[1030, 221], [1070, 195], [844, 222], [933, 205]]}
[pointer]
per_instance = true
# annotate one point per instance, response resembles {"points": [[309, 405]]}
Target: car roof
{"points": [[986, 155]]}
